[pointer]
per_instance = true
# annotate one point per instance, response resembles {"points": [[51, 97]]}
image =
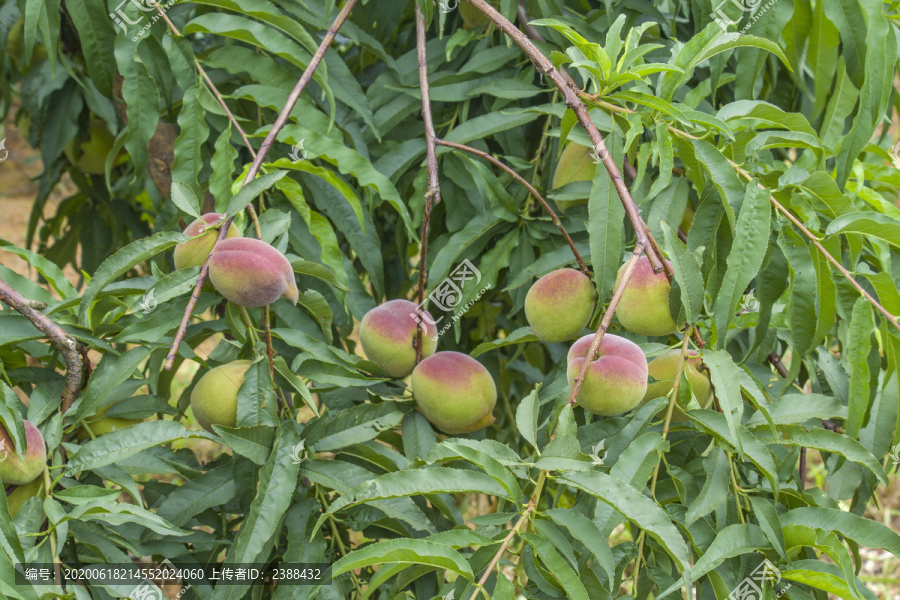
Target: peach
{"points": [[644, 307], [90, 155], [614, 383], [103, 425], [575, 164], [251, 273], [22, 493], [455, 392], [559, 305], [193, 252], [214, 398], [17, 470], [664, 368], [388, 334]]}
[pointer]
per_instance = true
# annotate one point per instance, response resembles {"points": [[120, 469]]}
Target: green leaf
{"points": [[433, 480], [731, 541], [830, 441], [519, 336], [214, 488], [408, 551], [799, 408], [645, 513], [254, 443], [868, 224], [859, 346], [277, 482], [250, 191], [586, 531], [746, 257], [185, 199], [527, 417], [715, 488], [725, 377], [686, 271], [864, 532], [605, 225], [557, 566], [96, 37], [120, 444], [121, 262], [112, 372], [666, 161]]}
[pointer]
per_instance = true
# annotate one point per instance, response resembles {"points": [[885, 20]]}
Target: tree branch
{"points": [[280, 122], [63, 342], [534, 192], [573, 101], [433, 194]]}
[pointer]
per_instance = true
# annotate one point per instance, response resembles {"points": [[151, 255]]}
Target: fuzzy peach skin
{"points": [[664, 368], [614, 383], [214, 398], [559, 305], [644, 307], [251, 273], [16, 470], [193, 253], [575, 164], [455, 392], [388, 332]]}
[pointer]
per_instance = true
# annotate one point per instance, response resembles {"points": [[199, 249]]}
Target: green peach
{"points": [[18, 496], [664, 368], [454, 392], [614, 383], [471, 16], [193, 252], [388, 334], [214, 398], [90, 155], [16, 470], [644, 307], [575, 164], [103, 425], [559, 305], [251, 273]]}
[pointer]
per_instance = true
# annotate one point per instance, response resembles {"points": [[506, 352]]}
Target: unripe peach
{"points": [[15, 470], [687, 219], [471, 16], [575, 164], [22, 493], [664, 368], [251, 273], [214, 398], [644, 307], [90, 156], [193, 252], [388, 335], [103, 425], [614, 383], [454, 392], [559, 305]]}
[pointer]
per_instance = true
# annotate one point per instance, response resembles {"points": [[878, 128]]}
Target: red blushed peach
{"points": [[193, 252], [454, 392], [251, 273], [559, 305], [16, 470], [388, 335], [644, 308], [614, 383]]}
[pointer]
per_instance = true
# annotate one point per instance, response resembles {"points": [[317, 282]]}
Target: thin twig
{"points": [[63, 342], [568, 89], [433, 194], [523, 18], [534, 192], [529, 508], [606, 320], [280, 122]]}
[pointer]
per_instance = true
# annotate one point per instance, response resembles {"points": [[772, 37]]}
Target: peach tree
{"points": [[538, 299]]}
